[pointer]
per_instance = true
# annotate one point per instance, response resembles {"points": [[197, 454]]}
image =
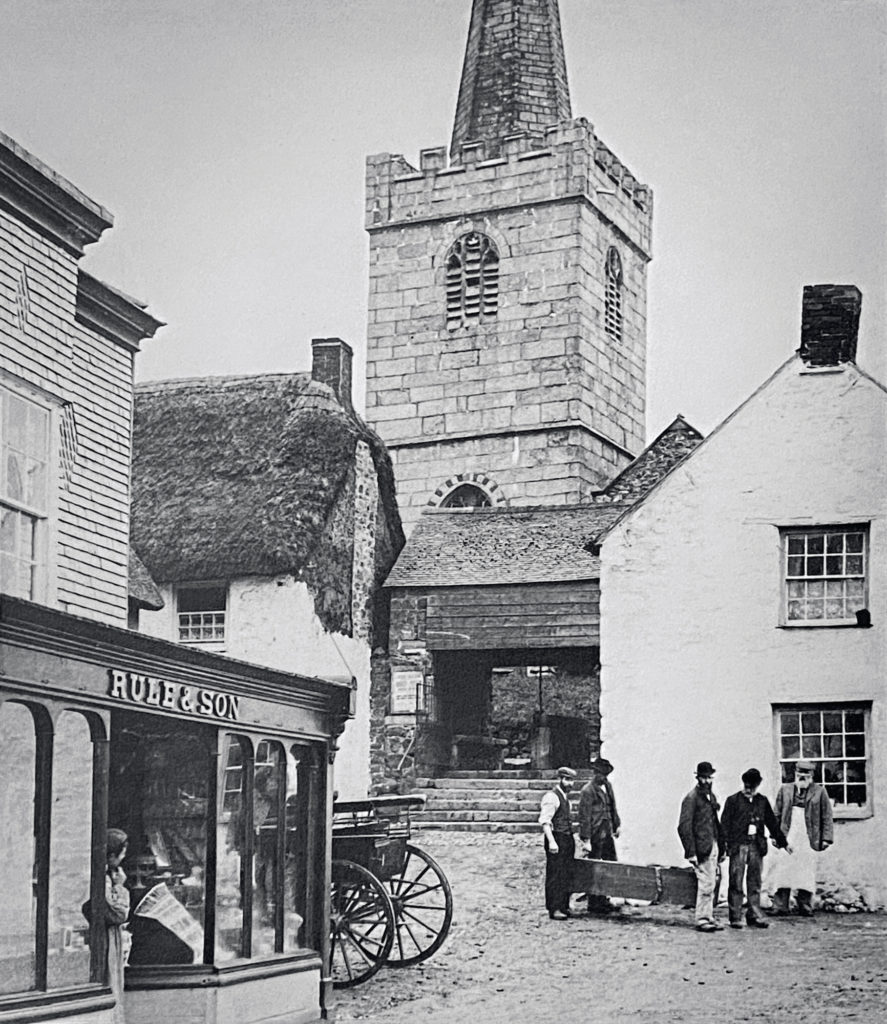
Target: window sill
{"points": [[822, 625], [235, 972]]}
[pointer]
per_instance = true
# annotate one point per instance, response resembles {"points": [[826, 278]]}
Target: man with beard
{"points": [[598, 824], [700, 832], [557, 826]]}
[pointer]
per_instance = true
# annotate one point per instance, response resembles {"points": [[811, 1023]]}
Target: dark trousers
{"points": [[745, 864], [602, 848], [559, 872]]}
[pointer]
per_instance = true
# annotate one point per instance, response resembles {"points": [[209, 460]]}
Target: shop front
{"points": [[220, 774]]}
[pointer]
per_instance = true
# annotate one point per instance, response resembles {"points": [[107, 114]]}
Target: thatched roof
{"points": [[487, 546], [236, 476], [142, 589]]}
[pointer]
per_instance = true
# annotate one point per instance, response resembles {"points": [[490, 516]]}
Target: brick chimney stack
{"points": [[331, 364], [829, 324]]}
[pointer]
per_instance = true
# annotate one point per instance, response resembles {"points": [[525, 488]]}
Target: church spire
{"points": [[514, 78]]}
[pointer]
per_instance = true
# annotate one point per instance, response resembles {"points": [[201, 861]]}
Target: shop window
{"points": [[613, 296], [18, 908], [233, 855], [70, 852], [472, 282], [160, 776], [201, 613], [25, 458], [825, 575], [836, 739]]}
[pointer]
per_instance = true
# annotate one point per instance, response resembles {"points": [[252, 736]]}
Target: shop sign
{"points": [[193, 700], [406, 691]]}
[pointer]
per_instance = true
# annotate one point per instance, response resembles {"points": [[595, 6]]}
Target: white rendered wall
{"points": [[693, 656], [271, 621]]}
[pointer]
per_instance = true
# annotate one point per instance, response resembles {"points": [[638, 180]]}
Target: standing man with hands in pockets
{"points": [[700, 832]]}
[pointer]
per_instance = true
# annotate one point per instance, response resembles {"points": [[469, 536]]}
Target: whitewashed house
{"points": [[264, 509], [744, 607]]}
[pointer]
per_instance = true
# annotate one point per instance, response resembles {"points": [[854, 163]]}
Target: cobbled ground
{"points": [[505, 962]]}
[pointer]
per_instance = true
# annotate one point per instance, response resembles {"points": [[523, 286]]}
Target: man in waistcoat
{"points": [[556, 820]]}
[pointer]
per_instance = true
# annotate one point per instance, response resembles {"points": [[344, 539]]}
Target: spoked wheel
{"points": [[362, 924], [423, 908]]}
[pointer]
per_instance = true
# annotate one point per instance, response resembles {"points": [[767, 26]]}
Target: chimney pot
{"points": [[829, 324], [331, 360]]}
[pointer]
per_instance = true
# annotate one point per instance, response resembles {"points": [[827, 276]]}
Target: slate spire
{"points": [[514, 77]]}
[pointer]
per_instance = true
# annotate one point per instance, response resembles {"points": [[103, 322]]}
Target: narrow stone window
{"points": [[613, 296], [472, 280]]}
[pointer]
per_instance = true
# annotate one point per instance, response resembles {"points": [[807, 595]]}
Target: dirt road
{"points": [[505, 961]]}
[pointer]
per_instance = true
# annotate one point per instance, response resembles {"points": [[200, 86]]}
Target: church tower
{"points": [[506, 338]]}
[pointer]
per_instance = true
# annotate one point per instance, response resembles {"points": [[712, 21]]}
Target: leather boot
{"points": [[779, 907], [805, 903]]}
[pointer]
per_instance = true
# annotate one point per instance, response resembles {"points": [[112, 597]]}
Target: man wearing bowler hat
{"points": [[556, 820], [746, 815], [700, 832], [598, 823]]}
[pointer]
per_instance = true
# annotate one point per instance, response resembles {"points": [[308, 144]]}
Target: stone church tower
{"points": [[506, 342]]}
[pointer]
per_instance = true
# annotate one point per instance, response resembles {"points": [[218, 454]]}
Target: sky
{"points": [[228, 139]]}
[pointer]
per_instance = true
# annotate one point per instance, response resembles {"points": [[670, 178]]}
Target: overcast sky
{"points": [[228, 139]]}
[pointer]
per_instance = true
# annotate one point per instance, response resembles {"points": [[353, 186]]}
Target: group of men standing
{"points": [[801, 824]]}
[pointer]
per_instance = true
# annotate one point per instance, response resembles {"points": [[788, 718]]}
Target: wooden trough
{"points": [[651, 882]]}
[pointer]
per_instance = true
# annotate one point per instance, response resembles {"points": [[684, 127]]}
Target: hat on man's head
{"points": [[804, 766], [566, 773], [752, 778], [705, 768], [602, 765]]}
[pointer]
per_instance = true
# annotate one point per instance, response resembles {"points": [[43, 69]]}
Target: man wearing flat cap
{"points": [[556, 820], [598, 823], [805, 816], [700, 832], [746, 815]]}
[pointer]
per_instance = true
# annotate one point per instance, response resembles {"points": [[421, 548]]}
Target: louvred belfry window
{"points": [[472, 280], [613, 296]]}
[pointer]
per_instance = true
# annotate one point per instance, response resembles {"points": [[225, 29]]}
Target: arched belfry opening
{"points": [[472, 282]]}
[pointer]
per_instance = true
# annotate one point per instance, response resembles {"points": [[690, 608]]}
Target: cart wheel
{"points": [[361, 924], [423, 908]]}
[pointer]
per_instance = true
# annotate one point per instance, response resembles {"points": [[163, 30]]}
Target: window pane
{"points": [[811, 746], [834, 746], [796, 609], [70, 852], [18, 755], [854, 721], [811, 721], [833, 771], [789, 722], [796, 545], [854, 565], [231, 850], [855, 745], [816, 588], [834, 565], [854, 541], [834, 609], [856, 771], [814, 566], [266, 821], [796, 566], [791, 747], [815, 543], [832, 721], [856, 795], [836, 793], [835, 543], [160, 771]]}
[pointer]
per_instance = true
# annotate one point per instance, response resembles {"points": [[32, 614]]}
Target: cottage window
{"points": [[613, 296], [201, 612], [25, 458], [472, 282], [825, 575], [835, 737]]}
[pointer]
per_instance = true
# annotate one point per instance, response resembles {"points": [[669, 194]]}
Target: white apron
{"points": [[795, 870]]}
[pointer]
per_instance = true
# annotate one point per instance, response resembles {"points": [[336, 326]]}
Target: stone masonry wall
{"points": [[545, 363], [87, 380]]}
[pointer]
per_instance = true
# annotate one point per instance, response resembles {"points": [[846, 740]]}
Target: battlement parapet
{"points": [[572, 163]]}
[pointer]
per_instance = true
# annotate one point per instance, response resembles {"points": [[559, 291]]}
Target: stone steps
{"points": [[486, 801]]}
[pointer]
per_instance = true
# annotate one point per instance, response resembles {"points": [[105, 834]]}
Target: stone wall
{"points": [[543, 376]]}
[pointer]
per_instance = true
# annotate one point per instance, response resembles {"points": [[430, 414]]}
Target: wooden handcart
{"points": [[390, 902]]}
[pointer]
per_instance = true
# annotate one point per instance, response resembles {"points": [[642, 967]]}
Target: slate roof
{"points": [[486, 546], [658, 458], [236, 476]]}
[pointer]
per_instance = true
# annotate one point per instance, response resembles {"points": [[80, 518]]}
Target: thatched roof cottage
{"points": [[264, 509]]}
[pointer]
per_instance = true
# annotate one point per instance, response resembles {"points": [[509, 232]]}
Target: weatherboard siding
{"points": [[87, 379], [523, 616]]}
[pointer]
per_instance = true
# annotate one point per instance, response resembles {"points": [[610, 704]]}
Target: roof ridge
{"points": [[221, 380]]}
